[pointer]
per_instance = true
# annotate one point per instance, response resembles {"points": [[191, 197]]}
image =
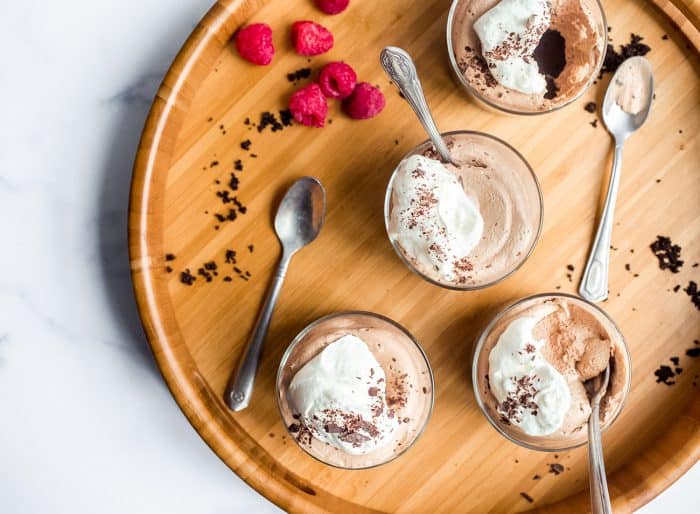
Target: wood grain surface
{"points": [[460, 464]]}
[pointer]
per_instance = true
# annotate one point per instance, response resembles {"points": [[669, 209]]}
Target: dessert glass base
{"points": [[408, 378], [575, 434]]}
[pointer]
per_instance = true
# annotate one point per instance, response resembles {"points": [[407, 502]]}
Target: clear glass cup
{"points": [[494, 102], [397, 351], [518, 172], [486, 401]]}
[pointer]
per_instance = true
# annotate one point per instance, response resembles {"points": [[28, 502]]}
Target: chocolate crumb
{"points": [[536, 477], [245, 145], [301, 73], [227, 279], [169, 257], [570, 267], [675, 360], [556, 468], [692, 291], [664, 374], [613, 59], [238, 166], [676, 288], [168, 269], [590, 107], [693, 352], [668, 254], [214, 164], [527, 497], [186, 277], [665, 37], [594, 124]]}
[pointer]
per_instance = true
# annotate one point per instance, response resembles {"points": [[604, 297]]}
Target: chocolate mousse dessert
{"points": [[536, 364], [465, 226], [526, 56], [355, 390]]}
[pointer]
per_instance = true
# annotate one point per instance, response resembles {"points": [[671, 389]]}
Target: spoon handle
{"points": [[402, 72], [594, 283], [598, 483], [240, 385]]}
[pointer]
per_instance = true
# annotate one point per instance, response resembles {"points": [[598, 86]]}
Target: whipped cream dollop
{"points": [[509, 34], [432, 218], [531, 393], [340, 396]]}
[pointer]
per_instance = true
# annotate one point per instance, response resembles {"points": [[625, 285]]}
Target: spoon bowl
{"points": [[301, 213], [618, 122]]}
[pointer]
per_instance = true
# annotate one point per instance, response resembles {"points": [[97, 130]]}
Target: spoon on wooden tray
{"points": [[298, 221], [402, 72], [625, 109]]}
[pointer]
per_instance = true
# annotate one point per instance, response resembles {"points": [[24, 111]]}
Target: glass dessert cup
{"points": [[499, 103], [409, 383], [521, 174], [549, 443]]}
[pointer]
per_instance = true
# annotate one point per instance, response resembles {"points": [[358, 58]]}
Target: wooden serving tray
{"points": [[460, 464]]}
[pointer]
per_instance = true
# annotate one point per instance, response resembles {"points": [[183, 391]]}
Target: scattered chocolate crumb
{"points": [[268, 119], [676, 288], [238, 165], [668, 254], [675, 360], [169, 257], [570, 267], [594, 123], [210, 119], [251, 248], [536, 477], [692, 291], [613, 59], [245, 145], [186, 277], [301, 73], [227, 279], [214, 164], [665, 37], [246, 121], [254, 156], [569, 276], [527, 497], [590, 107], [230, 257], [664, 374], [168, 269], [627, 267], [286, 117], [693, 352]]}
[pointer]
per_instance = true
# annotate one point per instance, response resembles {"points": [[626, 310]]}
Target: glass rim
{"points": [[305, 331], [475, 93], [455, 287], [482, 339]]}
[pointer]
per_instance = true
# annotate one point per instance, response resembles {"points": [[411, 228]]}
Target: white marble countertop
{"points": [[87, 423]]}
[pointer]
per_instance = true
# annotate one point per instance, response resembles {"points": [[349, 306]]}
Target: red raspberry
{"points": [[332, 6], [310, 38], [254, 43], [365, 102], [337, 80], [309, 107]]}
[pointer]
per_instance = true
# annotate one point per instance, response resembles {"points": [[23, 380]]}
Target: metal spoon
{"points": [[597, 480], [402, 72], [594, 283], [298, 221]]}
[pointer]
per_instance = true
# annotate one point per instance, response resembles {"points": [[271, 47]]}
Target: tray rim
{"points": [[189, 389]]}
